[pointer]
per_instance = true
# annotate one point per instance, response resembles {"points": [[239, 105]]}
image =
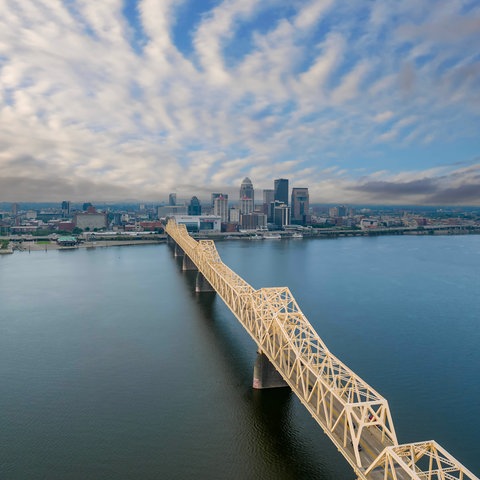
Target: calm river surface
{"points": [[111, 367]]}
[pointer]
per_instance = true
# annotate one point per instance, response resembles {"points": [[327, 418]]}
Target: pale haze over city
{"points": [[361, 102]]}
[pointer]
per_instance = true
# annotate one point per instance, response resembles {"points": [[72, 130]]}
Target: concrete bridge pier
{"points": [[178, 252], [202, 285], [188, 264], [265, 375]]}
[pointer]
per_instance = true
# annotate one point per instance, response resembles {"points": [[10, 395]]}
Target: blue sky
{"points": [[361, 101]]}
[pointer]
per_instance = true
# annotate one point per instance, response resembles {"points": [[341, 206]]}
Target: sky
{"points": [[363, 102]]}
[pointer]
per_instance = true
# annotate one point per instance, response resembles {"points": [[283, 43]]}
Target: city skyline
{"points": [[372, 103]]}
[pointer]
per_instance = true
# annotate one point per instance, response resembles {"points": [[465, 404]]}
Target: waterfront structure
{"points": [[253, 221], [281, 190], [169, 210], [247, 196], [4, 228], [172, 199], [220, 206], [195, 208], [66, 241], [66, 226], [352, 414], [90, 220], [367, 223], [300, 206], [199, 223]]}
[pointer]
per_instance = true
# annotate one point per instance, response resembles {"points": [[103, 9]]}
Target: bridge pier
{"points": [[202, 285], [178, 252], [188, 264], [265, 375]]}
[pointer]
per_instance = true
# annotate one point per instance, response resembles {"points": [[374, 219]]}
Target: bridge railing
{"points": [[344, 405]]}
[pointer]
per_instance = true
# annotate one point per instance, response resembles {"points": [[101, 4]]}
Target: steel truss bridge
{"points": [[355, 417]]}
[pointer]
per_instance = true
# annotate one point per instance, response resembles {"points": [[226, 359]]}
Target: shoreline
{"points": [[33, 246], [42, 244]]}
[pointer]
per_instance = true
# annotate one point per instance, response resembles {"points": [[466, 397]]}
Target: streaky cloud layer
{"points": [[363, 102]]}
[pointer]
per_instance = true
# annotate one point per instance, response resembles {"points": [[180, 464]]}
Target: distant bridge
{"points": [[355, 417]]}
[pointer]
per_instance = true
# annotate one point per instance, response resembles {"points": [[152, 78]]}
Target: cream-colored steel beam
{"points": [[418, 461]]}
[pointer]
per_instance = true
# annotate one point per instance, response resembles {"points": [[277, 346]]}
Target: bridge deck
{"points": [[355, 417]]}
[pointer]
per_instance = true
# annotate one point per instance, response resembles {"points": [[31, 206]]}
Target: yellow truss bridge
{"points": [[355, 416]]}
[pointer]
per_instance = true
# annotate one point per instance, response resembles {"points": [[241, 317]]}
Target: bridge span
{"points": [[356, 418]]}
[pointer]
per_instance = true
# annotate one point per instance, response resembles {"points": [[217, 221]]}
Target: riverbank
{"points": [[40, 246], [19, 243]]}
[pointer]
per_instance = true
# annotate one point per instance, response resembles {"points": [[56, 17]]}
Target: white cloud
{"points": [[383, 116], [310, 15]]}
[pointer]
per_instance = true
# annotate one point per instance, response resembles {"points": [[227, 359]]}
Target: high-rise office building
{"points": [[216, 195], [247, 196], [254, 220], [65, 208], [268, 196], [281, 214], [268, 199], [172, 199], [340, 211], [195, 207], [234, 215], [300, 205], [281, 190], [220, 206]]}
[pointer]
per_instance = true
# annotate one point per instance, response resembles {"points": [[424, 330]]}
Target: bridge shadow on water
{"points": [[277, 419]]}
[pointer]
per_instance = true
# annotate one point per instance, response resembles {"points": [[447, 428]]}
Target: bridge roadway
{"points": [[354, 416]]}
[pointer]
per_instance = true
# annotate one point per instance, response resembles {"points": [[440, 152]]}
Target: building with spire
{"points": [[247, 197]]}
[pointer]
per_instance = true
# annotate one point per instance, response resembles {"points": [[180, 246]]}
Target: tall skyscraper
{"points": [[194, 208], [247, 198], [300, 205], [220, 206], [281, 190], [172, 199]]}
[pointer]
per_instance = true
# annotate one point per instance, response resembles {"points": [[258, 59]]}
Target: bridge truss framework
{"points": [[355, 417]]}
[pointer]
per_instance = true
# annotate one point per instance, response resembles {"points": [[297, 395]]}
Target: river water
{"points": [[111, 367]]}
